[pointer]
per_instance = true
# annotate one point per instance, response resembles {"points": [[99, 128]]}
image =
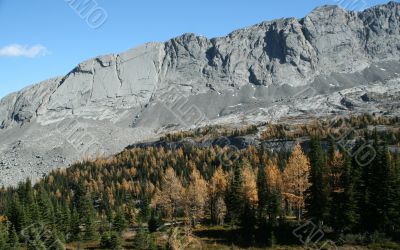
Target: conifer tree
{"points": [[217, 190], [317, 201], [234, 198], [46, 209], [16, 213], [380, 189], [248, 223], [263, 198], [249, 187], [65, 219], [57, 245], [195, 197], [53, 242], [34, 239], [86, 212], [115, 242], [360, 178], [220, 211], [343, 209], [296, 179], [75, 226], [119, 223], [394, 212], [3, 236], [145, 209], [141, 240], [350, 215], [110, 240], [332, 150], [13, 239], [274, 189], [154, 222], [88, 218], [169, 198], [27, 197]]}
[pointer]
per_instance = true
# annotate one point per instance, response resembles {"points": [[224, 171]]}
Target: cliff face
{"points": [[286, 51], [330, 49]]}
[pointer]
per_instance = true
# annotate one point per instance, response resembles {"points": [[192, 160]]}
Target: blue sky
{"points": [[41, 39]]}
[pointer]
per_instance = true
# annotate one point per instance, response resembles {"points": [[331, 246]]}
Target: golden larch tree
{"points": [[273, 176], [195, 196], [216, 190], [250, 186], [296, 179], [170, 196]]}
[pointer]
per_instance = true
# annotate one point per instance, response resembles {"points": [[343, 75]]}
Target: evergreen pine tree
{"points": [[350, 215], [45, 207], [13, 239], [270, 235], [394, 212], [262, 189], [57, 245], [115, 241], [35, 241], [16, 213], [53, 242], [65, 219], [119, 223], [29, 202], [234, 199], [247, 224], [343, 209], [75, 230], [397, 192], [145, 210], [360, 178], [393, 206], [85, 209], [88, 219], [317, 200], [105, 240], [141, 240], [380, 189], [3, 236], [274, 203], [154, 222], [331, 149], [58, 219]]}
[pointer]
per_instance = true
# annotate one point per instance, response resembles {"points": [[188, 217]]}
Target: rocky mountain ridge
{"points": [[318, 65]]}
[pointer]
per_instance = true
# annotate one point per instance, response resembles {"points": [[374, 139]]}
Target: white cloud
{"points": [[16, 50]]}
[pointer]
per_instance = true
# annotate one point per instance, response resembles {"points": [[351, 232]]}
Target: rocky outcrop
{"points": [[286, 51], [261, 71]]}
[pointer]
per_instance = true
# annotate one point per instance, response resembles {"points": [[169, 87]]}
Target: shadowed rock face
{"points": [[250, 75]]}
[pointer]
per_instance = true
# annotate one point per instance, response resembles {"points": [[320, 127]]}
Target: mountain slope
{"points": [[317, 65]]}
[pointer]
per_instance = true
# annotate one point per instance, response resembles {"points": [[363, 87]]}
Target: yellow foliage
{"points": [[250, 186], [273, 176], [3, 219], [295, 177], [170, 195], [218, 183]]}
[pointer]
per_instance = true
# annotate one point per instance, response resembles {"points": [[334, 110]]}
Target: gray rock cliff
{"points": [[253, 74]]}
